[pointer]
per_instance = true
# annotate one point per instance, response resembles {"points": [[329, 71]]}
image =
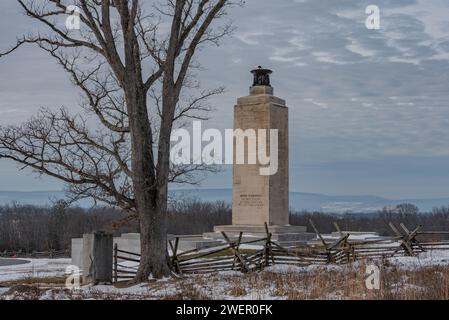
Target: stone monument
{"points": [[257, 198]]}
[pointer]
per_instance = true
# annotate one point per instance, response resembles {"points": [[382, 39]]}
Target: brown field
{"points": [[318, 282]]}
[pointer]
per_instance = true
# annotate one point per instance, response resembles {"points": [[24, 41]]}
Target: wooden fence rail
{"points": [[229, 255]]}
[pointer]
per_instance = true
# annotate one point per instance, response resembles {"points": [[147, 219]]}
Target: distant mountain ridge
{"points": [[298, 200], [324, 203]]}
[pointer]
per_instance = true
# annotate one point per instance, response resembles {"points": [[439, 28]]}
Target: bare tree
{"points": [[121, 58]]}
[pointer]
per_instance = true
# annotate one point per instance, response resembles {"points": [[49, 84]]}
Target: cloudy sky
{"points": [[369, 109]]}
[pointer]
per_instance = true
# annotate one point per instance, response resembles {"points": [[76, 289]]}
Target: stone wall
{"points": [[127, 242]]}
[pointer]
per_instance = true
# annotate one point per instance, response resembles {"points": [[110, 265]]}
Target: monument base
{"points": [[284, 235], [250, 228]]}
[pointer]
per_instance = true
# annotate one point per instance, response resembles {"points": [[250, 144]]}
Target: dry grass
{"points": [[189, 291], [31, 281], [319, 282], [342, 282], [426, 283], [237, 289]]}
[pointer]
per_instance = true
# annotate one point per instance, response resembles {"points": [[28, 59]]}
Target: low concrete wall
{"points": [[77, 252]]}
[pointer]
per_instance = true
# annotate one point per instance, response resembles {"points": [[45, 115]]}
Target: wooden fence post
{"points": [[411, 235], [268, 247], [174, 260], [115, 263], [243, 262], [328, 251], [238, 246], [404, 241], [346, 247]]}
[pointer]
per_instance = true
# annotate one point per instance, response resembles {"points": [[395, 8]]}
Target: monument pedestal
{"points": [[286, 235], [276, 229]]}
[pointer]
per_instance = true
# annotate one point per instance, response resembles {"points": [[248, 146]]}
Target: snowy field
{"points": [[276, 282], [36, 268]]}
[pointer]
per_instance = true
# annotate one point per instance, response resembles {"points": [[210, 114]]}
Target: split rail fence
{"points": [[231, 256]]}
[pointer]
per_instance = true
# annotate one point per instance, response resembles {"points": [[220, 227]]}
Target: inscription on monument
{"points": [[249, 118], [251, 200]]}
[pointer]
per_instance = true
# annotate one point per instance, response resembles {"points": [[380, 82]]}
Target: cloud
{"points": [[252, 37], [357, 48], [321, 51], [355, 96]]}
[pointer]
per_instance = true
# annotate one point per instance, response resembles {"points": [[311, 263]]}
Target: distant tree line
{"points": [[408, 214], [32, 228]]}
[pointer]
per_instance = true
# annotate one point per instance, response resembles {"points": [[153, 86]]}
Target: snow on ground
{"points": [[42, 268], [424, 259], [36, 268], [223, 285]]}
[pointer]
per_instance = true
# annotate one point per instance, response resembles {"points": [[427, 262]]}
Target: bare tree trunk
{"points": [[151, 209], [93, 165], [153, 240]]}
